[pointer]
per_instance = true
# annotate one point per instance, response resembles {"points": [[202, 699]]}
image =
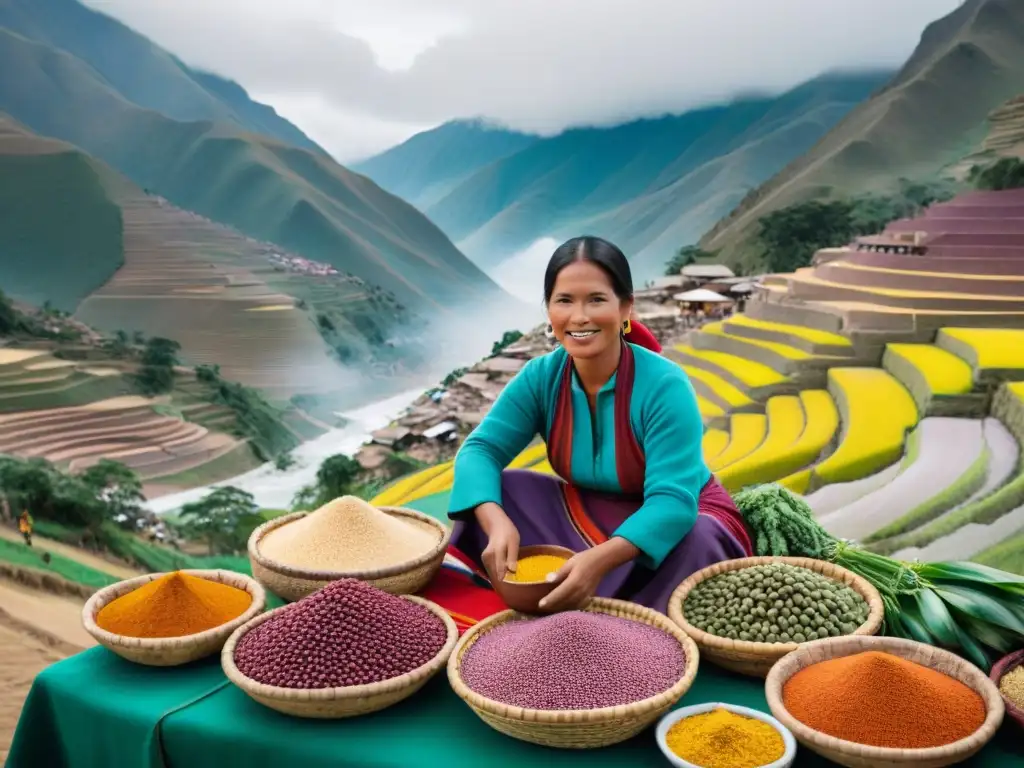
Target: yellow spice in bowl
{"points": [[535, 568], [724, 739]]}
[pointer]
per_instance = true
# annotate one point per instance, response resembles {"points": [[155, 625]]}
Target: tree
{"points": [[684, 257], [224, 519], [119, 345], [158, 360], [161, 352], [1005, 173], [46, 492], [791, 235], [209, 374], [336, 477], [119, 488], [507, 340]]}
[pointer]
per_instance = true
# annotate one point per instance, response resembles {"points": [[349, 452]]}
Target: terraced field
{"points": [[74, 413], [207, 288], [886, 386]]}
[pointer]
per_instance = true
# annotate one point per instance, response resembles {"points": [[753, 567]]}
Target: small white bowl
{"points": [[676, 715]]}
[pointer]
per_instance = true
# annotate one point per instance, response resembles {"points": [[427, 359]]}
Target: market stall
{"points": [[96, 709], [335, 678]]}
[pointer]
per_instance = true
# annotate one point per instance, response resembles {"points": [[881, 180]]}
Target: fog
{"points": [[522, 274]]}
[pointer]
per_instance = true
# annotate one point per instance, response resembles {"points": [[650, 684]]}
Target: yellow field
{"points": [[876, 412], [944, 372]]}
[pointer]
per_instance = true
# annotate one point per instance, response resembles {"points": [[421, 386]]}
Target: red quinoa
{"points": [[348, 633], [573, 660]]}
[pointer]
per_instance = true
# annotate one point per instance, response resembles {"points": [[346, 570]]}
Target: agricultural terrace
{"points": [[193, 281], [76, 412], [881, 384]]}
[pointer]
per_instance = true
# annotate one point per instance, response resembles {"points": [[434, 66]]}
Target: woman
{"points": [[640, 508]]}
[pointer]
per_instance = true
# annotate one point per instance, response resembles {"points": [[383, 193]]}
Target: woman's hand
{"points": [[583, 572], [502, 551]]}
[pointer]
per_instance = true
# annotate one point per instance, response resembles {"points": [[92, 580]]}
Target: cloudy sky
{"points": [[359, 76]]}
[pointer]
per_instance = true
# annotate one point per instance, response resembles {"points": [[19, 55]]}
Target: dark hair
{"points": [[597, 251]]}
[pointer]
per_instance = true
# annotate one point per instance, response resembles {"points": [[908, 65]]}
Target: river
{"points": [[274, 489]]}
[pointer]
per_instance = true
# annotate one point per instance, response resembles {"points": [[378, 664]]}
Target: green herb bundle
{"points": [[968, 608]]}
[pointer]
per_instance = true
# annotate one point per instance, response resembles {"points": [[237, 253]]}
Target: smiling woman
{"points": [[633, 496]]}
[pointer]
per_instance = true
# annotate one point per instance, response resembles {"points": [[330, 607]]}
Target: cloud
{"points": [[385, 69]]}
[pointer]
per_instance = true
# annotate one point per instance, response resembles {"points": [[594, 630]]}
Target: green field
{"points": [[1007, 555], [16, 553]]}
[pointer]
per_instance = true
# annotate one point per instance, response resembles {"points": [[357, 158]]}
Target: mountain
{"points": [[142, 72], [650, 185], [265, 188], [84, 246], [431, 164], [926, 118]]}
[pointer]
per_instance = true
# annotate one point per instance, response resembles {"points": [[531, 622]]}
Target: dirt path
{"points": [[55, 615], [36, 629], [73, 553]]}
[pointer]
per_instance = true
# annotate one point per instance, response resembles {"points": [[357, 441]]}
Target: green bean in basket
{"points": [[774, 603]]}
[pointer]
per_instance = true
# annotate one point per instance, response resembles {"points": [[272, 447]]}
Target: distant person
{"points": [[633, 497], [25, 526]]}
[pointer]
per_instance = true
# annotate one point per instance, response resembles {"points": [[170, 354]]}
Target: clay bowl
{"points": [[525, 596]]}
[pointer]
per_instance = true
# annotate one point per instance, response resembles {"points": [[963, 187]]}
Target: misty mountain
{"points": [[650, 185]]}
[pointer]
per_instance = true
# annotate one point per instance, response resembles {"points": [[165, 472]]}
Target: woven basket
{"points": [[855, 755], [755, 659], [576, 729], [1005, 665], [293, 583], [170, 651], [336, 703]]}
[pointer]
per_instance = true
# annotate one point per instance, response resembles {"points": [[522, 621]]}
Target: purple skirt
{"points": [[546, 511]]}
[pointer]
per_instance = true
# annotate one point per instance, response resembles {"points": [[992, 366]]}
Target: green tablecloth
{"points": [[95, 710]]}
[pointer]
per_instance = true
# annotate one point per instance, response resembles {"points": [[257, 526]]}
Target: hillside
{"points": [[268, 319], [296, 198], [39, 175], [431, 164], [1005, 137], [73, 398], [650, 185], [931, 114], [142, 72]]}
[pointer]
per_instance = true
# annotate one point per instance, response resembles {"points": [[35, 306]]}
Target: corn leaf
{"points": [[999, 639], [936, 618], [963, 570], [973, 651], [911, 619], [981, 606]]}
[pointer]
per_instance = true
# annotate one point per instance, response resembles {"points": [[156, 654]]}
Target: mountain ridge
{"points": [[143, 72], [650, 185], [261, 185], [973, 57]]}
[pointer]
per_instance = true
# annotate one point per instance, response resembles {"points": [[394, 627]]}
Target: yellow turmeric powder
{"points": [[174, 605], [723, 739], [535, 568]]}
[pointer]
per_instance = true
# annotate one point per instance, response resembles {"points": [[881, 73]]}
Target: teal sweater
{"points": [[666, 422]]}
